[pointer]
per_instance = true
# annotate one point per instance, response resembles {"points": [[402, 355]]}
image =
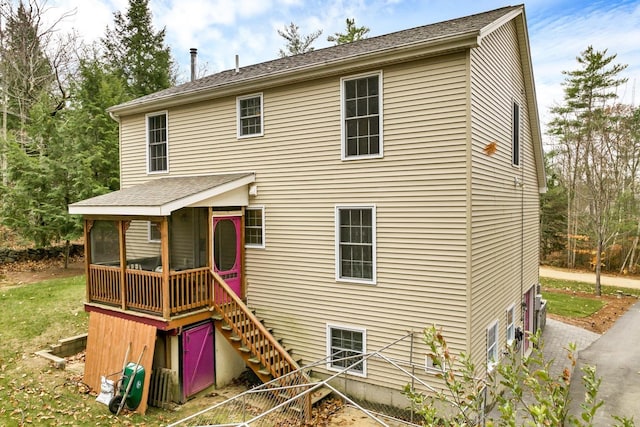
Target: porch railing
{"points": [[104, 284], [188, 290]]}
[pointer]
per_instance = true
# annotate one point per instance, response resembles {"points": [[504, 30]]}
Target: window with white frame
{"points": [[492, 345], [154, 232], [157, 143], [362, 116], [511, 325], [254, 226], [515, 135], [356, 243], [345, 348], [250, 115]]}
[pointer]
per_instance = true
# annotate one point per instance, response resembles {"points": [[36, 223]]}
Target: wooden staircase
{"points": [[260, 350]]}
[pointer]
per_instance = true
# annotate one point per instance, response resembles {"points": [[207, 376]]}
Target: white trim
{"points": [[149, 239], [511, 339], [343, 141], [330, 366], [146, 127], [238, 123], [261, 209], [492, 364], [338, 277]]}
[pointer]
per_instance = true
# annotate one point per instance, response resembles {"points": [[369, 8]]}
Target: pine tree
{"points": [[138, 53], [296, 43], [584, 126], [352, 33]]}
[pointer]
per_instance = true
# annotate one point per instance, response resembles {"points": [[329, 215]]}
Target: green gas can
{"points": [[133, 372]]}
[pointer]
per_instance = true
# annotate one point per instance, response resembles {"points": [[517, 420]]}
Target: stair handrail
{"points": [[257, 323]]}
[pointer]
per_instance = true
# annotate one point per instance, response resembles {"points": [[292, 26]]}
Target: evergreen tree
{"points": [[90, 130], [590, 142], [352, 33], [296, 43], [138, 53]]}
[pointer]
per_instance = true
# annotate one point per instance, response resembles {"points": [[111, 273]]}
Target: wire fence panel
{"points": [[284, 402]]}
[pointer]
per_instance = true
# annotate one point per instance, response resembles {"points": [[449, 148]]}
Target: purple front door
{"points": [[227, 245], [197, 359]]}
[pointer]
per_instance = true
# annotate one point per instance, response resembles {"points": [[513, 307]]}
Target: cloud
{"points": [[557, 39]]}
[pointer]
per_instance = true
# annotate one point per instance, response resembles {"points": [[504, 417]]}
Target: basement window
{"points": [[511, 325], [492, 346], [345, 348]]}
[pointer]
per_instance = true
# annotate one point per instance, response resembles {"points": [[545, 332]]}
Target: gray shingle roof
{"points": [[160, 196], [320, 57]]}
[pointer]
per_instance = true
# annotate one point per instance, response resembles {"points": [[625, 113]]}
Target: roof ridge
{"points": [[320, 57]]}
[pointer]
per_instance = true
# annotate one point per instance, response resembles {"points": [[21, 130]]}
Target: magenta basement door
{"points": [[197, 359]]}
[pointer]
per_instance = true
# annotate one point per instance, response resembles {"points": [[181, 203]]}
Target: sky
{"points": [[559, 30]]}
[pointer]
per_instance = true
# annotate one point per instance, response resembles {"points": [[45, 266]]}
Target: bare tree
{"points": [[33, 62]]}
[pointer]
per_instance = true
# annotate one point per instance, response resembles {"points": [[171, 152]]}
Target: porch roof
{"points": [[160, 197]]}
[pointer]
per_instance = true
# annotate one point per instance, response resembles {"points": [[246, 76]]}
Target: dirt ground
{"points": [[36, 271], [604, 318]]}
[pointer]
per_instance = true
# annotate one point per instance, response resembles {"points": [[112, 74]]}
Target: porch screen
{"points": [[143, 251], [105, 249]]}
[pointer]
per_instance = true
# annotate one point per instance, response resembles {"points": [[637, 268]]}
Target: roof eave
{"points": [[165, 209], [376, 58], [530, 88]]}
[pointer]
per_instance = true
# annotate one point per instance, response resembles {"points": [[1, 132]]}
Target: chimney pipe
{"points": [[237, 63], [194, 54]]}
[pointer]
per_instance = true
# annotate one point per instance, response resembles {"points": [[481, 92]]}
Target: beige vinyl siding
{"points": [[138, 244], [418, 189], [504, 228]]}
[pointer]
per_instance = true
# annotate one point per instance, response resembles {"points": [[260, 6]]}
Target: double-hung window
{"points": [[250, 115], [254, 227], [345, 348], [511, 325], [362, 116], [157, 143], [153, 234], [515, 135], [356, 244], [492, 345]]}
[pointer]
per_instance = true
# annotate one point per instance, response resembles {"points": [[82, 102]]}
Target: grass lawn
{"points": [[550, 283], [567, 305], [31, 391]]}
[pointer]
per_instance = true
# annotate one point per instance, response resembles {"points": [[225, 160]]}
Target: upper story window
{"points": [[254, 227], [250, 115], [362, 116], [157, 143], [515, 135], [355, 244]]}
